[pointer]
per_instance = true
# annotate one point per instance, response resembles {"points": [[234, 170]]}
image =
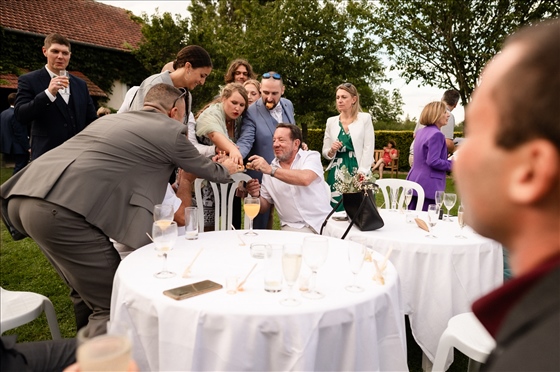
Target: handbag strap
{"points": [[329, 216]]}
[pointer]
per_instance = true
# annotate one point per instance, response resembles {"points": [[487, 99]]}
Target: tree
{"points": [[314, 44], [447, 43]]}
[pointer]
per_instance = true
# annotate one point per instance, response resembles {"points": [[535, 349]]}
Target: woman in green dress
{"points": [[349, 138]]}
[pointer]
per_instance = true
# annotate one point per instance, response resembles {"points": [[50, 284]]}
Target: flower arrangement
{"points": [[355, 182]]}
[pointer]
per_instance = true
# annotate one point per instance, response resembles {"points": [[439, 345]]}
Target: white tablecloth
{"points": [[251, 330], [439, 277]]}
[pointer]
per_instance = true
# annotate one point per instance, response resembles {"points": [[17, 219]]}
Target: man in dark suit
{"points": [[104, 182], [55, 107], [508, 175], [259, 125], [14, 136]]}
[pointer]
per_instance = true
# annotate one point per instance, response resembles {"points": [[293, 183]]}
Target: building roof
{"points": [[10, 81], [83, 21]]}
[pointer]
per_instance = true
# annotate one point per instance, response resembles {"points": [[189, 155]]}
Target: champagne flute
{"points": [[408, 193], [164, 239], [163, 213], [356, 256], [461, 220], [251, 206], [291, 266], [394, 193], [433, 216], [439, 199], [315, 251], [64, 73], [449, 200]]}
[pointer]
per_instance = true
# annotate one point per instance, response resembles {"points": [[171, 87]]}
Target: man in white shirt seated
{"points": [[293, 182]]}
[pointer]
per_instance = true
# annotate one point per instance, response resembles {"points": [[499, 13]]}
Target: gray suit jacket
{"points": [[114, 172]]}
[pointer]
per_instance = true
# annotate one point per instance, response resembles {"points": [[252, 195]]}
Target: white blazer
{"points": [[363, 139]]}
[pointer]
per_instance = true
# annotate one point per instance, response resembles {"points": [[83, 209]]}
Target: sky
{"points": [[414, 96]]}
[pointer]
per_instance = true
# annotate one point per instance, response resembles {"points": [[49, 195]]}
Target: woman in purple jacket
{"points": [[430, 153]]}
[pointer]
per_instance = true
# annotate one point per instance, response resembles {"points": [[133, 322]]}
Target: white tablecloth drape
{"points": [[441, 277], [251, 330]]}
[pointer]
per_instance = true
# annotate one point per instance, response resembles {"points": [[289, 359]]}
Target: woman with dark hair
{"points": [[430, 153], [390, 153], [239, 71], [349, 138]]}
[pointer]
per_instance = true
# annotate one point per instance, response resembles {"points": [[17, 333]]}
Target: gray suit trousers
{"points": [[82, 255]]}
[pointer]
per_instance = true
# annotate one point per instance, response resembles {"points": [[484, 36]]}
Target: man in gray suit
{"points": [[508, 174], [102, 183], [259, 125]]}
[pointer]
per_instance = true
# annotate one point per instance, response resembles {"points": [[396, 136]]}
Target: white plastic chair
{"points": [[19, 308], [400, 184], [465, 333], [222, 211]]}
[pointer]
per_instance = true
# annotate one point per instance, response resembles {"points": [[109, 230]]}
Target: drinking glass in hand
{"points": [[291, 266], [315, 251], [433, 216], [64, 73], [461, 220], [163, 212], [449, 201], [251, 206], [356, 256], [164, 239]]}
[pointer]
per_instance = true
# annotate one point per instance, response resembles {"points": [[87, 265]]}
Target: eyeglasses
{"points": [[268, 75], [183, 94]]}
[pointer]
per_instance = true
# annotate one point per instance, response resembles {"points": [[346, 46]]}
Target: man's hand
{"points": [[228, 164], [259, 164], [253, 188], [57, 83]]}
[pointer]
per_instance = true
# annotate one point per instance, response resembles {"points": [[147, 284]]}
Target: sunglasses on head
{"points": [[183, 93], [347, 85], [268, 75]]}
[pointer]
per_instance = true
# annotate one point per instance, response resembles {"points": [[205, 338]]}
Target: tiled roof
{"points": [[10, 81], [84, 21]]}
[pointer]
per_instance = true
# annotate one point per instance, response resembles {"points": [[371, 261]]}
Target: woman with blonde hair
{"points": [[430, 153], [253, 88], [349, 138]]}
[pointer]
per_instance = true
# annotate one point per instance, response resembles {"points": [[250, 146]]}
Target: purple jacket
{"points": [[430, 161]]}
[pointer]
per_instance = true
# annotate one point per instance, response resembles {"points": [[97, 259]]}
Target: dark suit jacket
{"points": [[13, 134], [50, 122], [114, 172], [529, 339]]}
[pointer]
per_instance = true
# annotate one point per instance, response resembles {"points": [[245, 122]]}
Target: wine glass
{"points": [[461, 220], [433, 216], [64, 91], [164, 238], [163, 212], [291, 266], [251, 206], [394, 193], [408, 193], [315, 251], [449, 200], [356, 256]]}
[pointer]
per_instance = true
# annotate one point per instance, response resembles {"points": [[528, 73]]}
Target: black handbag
{"points": [[361, 210]]}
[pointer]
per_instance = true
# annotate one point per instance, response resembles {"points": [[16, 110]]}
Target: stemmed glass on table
{"points": [[251, 206], [408, 193], [393, 194], [315, 251], [164, 236], [163, 212], [356, 256], [449, 200], [291, 266], [461, 220], [433, 216]]}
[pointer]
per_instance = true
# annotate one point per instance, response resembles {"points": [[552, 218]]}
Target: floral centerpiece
{"points": [[346, 182]]}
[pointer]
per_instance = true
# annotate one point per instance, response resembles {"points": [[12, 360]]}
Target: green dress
{"points": [[344, 156]]}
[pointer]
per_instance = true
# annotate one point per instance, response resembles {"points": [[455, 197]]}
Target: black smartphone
{"points": [[191, 290]]}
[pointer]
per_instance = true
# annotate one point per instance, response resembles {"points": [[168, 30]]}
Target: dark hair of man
{"points": [[163, 95], [295, 132], [56, 39], [197, 56], [527, 95], [229, 77], [12, 99], [451, 97]]}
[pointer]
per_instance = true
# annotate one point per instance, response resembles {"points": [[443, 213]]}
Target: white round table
{"points": [[251, 330], [441, 277]]}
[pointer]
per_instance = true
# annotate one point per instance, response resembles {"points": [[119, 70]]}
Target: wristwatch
{"points": [[273, 170]]}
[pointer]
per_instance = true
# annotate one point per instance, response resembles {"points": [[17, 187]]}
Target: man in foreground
{"points": [[293, 182], [508, 174], [104, 183]]}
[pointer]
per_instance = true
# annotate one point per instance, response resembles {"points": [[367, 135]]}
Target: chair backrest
{"points": [[223, 202], [400, 185]]}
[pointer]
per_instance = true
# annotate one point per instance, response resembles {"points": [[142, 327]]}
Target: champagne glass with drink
{"points": [[64, 73], [315, 251], [439, 199], [164, 238], [433, 216], [163, 212], [461, 220], [449, 200], [251, 206], [408, 193], [291, 266]]}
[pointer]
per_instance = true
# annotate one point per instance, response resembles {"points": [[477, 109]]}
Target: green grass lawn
{"points": [[23, 267]]}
